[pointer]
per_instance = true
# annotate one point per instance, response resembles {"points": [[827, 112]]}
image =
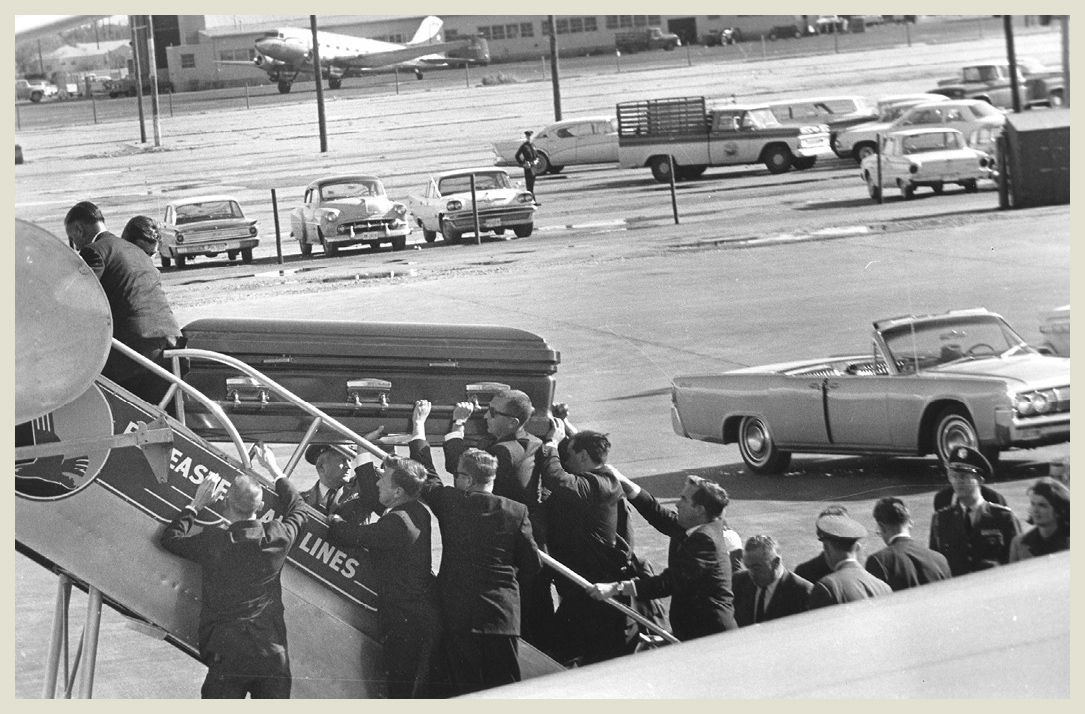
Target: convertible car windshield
{"points": [[483, 182], [351, 189], [926, 345]]}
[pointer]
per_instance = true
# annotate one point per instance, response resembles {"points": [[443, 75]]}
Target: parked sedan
{"points": [[964, 115], [929, 384], [860, 141], [346, 210], [445, 205], [572, 142], [924, 157], [1056, 331], [206, 225]]}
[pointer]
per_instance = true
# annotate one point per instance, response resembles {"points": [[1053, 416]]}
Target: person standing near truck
{"points": [[528, 158]]}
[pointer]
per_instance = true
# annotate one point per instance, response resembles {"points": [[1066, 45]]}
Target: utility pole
{"points": [[319, 88], [152, 63], [554, 80], [1011, 55], [1066, 58], [133, 21]]}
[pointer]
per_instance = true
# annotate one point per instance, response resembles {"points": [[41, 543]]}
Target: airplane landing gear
{"points": [[284, 86], [418, 73], [335, 82]]}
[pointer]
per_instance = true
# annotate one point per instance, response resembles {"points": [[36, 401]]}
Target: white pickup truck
{"points": [[691, 135]]}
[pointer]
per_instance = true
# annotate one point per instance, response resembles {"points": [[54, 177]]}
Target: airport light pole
{"points": [[152, 65], [554, 80], [319, 88]]}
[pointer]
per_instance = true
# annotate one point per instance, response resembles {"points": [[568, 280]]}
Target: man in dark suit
{"points": [[698, 574], [766, 590], [518, 479], [848, 582], [582, 520], [818, 567], [903, 563], [973, 534], [333, 485], [242, 633], [142, 318], [488, 559], [399, 549]]}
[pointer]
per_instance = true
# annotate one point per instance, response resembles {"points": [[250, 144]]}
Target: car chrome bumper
{"points": [[374, 234], [814, 151], [215, 246], [1037, 431], [520, 216]]}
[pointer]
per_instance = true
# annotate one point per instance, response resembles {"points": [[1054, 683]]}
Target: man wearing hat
{"points": [[840, 536], [527, 157], [333, 486], [974, 534]]}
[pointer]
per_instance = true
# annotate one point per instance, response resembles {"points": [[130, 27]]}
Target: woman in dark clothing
{"points": [[1049, 512]]}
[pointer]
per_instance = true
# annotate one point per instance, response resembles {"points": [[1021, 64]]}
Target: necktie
{"points": [[759, 606], [967, 519], [329, 500]]}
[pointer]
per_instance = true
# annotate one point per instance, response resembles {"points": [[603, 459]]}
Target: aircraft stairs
{"points": [[99, 474]]}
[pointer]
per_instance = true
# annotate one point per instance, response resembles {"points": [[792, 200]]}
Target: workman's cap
{"points": [[314, 451], [965, 458], [528, 132], [840, 527]]}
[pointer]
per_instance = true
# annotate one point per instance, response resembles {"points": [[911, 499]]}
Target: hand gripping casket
{"points": [[363, 374]]}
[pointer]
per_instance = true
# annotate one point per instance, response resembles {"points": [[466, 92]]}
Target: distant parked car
{"points": [[964, 115], [571, 142], [837, 113], [34, 89], [206, 225], [445, 205], [985, 139], [1056, 331], [860, 140], [346, 210], [925, 157]]}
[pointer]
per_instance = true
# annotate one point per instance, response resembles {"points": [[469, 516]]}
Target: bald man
{"points": [[242, 634]]}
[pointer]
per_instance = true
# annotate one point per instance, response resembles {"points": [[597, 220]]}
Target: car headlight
{"points": [[983, 162], [399, 209], [180, 238], [1029, 403], [913, 169], [330, 216], [454, 206], [525, 198], [813, 129]]}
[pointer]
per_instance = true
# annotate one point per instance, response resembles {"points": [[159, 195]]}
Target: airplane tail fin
{"points": [[428, 31]]}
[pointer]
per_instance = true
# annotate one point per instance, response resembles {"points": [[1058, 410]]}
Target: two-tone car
{"points": [[927, 384], [338, 211], [570, 142], [861, 140], [924, 157], [208, 226], [444, 206]]}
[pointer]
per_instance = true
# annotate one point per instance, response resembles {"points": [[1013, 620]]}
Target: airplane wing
{"points": [[373, 60]]}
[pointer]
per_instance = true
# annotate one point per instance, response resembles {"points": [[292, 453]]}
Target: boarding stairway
{"points": [[100, 473]]}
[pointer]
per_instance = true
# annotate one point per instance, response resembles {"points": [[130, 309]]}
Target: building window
{"points": [[497, 32], [512, 32], [527, 29], [563, 26], [590, 24], [625, 20], [188, 61], [236, 55], [576, 24], [655, 19], [484, 32], [451, 33], [396, 37], [640, 21], [612, 22]]}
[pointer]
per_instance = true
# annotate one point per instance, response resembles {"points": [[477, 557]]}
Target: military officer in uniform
{"points": [[973, 534]]}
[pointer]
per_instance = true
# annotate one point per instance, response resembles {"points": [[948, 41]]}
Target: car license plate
{"points": [[211, 247], [491, 223]]}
